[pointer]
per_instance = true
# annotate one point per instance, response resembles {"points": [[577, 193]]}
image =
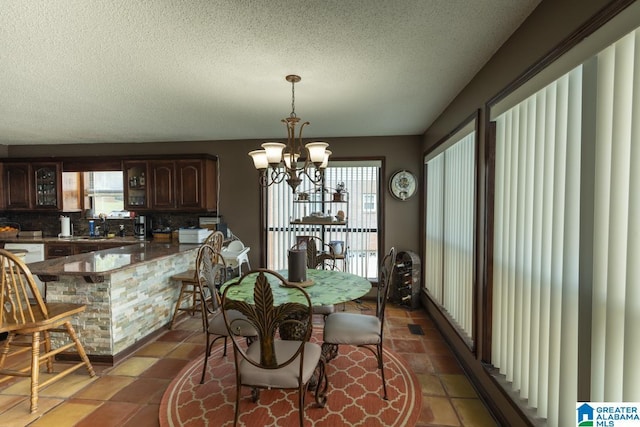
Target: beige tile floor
{"points": [[129, 394]]}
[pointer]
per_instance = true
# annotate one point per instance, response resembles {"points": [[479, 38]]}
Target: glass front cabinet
{"points": [[47, 178], [33, 185], [136, 177]]}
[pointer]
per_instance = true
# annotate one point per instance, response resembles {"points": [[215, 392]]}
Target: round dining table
{"points": [[327, 287]]}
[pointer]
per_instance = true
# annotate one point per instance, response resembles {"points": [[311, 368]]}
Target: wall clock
{"points": [[402, 184]]}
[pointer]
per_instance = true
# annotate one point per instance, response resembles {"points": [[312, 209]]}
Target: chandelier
{"points": [[298, 161]]}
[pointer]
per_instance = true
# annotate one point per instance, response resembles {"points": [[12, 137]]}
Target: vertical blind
{"points": [[535, 270], [615, 372], [449, 251], [434, 244]]}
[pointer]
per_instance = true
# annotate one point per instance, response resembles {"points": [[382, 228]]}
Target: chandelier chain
{"points": [[293, 99]]}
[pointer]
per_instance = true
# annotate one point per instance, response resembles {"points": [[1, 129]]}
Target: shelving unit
{"points": [[317, 212]]}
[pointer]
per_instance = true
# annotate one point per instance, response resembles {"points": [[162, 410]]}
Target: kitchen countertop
{"points": [[107, 261], [74, 239]]}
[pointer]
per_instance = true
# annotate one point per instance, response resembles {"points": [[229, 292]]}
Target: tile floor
{"points": [[129, 393]]}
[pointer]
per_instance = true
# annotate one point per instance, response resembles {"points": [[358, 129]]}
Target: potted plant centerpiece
{"points": [[339, 193]]}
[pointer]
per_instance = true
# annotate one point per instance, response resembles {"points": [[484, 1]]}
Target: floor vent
{"points": [[415, 329]]}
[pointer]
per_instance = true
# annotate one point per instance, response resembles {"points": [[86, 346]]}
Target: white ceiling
{"points": [[88, 71]]}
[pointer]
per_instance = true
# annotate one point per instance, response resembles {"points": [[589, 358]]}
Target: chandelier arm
{"points": [[270, 176], [317, 178], [307, 157]]}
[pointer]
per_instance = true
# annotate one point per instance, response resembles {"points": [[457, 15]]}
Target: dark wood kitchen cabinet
{"points": [[197, 184], [136, 195], [163, 187], [31, 185], [183, 184]]}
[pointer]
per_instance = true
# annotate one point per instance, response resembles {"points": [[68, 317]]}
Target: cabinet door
{"points": [[135, 177], [163, 194], [47, 178], [190, 184], [17, 185]]}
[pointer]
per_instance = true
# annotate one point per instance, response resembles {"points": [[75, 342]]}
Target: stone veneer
{"points": [[127, 306]]}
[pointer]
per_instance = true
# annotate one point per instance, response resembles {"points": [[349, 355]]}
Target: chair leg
{"points": [[198, 300], [80, 349], [301, 392], [47, 350], [35, 369], [238, 387], [178, 304], [207, 353], [5, 349], [381, 367]]}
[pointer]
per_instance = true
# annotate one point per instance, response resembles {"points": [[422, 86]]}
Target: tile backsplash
{"points": [[49, 222]]}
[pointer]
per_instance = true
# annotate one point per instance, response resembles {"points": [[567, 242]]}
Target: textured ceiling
{"points": [[165, 70]]}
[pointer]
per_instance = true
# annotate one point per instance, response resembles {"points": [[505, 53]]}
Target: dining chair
{"points": [[27, 317], [363, 330], [211, 273], [319, 256], [272, 362], [189, 288]]}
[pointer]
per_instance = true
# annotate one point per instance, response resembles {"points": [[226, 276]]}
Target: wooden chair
{"points": [[271, 362], [363, 330], [319, 256], [211, 272], [189, 288], [21, 316]]}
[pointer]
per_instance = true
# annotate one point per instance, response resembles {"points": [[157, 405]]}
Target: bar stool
{"points": [[190, 286], [189, 293]]}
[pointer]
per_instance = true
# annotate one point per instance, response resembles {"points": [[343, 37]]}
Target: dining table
{"points": [[325, 287]]}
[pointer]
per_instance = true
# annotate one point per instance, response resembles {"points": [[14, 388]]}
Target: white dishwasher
{"points": [[35, 253]]}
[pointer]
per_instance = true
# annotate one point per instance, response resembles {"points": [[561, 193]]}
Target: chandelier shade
{"points": [[294, 160]]}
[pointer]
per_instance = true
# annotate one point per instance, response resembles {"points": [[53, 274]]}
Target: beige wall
{"points": [[238, 178]]}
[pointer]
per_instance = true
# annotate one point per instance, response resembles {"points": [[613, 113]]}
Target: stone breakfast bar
{"points": [[128, 292]]}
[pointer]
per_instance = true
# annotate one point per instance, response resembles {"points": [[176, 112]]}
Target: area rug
{"points": [[353, 399]]}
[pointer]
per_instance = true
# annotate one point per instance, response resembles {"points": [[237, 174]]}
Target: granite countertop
{"points": [[75, 239], [107, 261]]}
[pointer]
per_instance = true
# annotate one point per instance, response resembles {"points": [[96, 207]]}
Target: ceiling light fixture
{"points": [[309, 160]]}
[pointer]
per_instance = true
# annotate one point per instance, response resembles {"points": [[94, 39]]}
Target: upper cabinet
{"points": [[184, 184], [135, 175], [163, 189], [196, 184], [33, 185]]}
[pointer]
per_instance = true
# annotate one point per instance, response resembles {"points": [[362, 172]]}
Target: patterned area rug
{"points": [[354, 395]]}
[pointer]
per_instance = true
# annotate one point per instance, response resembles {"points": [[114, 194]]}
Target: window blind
{"points": [[536, 225], [615, 373], [449, 242]]}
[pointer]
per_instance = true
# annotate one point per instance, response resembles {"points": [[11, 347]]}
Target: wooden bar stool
{"points": [[189, 298]]}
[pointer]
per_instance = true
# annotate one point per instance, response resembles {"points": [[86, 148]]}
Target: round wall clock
{"points": [[402, 184]]}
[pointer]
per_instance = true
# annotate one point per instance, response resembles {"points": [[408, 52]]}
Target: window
{"points": [[360, 234], [369, 203], [95, 192], [104, 192]]}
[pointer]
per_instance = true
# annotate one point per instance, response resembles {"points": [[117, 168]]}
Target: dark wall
{"points": [[239, 191]]}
